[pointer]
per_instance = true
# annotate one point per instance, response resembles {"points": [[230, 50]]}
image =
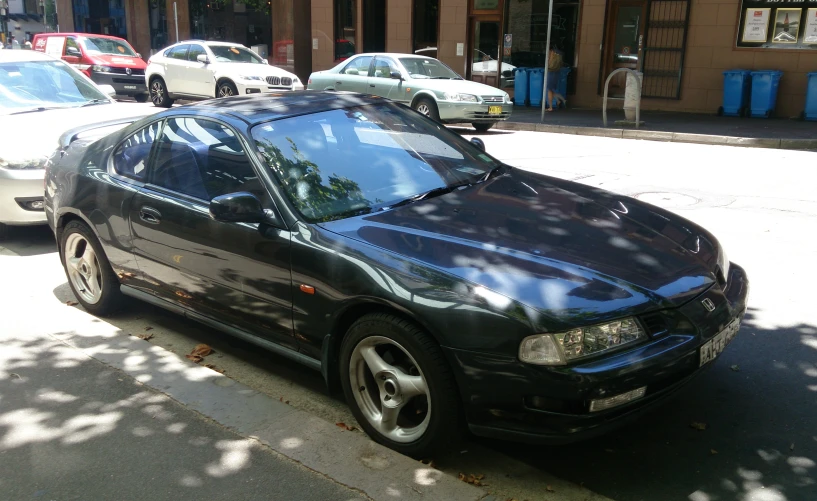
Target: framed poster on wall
{"points": [[765, 24]]}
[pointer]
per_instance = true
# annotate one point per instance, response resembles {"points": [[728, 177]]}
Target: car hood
{"points": [[35, 135], [568, 251], [462, 86], [261, 70], [118, 61]]}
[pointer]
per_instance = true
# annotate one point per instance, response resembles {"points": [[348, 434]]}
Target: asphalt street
{"points": [[757, 402]]}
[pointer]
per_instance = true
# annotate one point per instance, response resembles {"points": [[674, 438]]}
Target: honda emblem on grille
{"points": [[708, 304], [128, 71]]}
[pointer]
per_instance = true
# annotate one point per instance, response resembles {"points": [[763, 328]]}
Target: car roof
{"points": [[63, 34], [15, 56], [255, 109], [210, 42], [393, 54]]}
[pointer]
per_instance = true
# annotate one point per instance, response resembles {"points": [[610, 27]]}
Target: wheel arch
{"points": [[63, 220], [424, 93], [223, 80]]}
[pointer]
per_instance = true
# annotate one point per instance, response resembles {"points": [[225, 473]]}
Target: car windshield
{"points": [[39, 85], [234, 54], [353, 161], [98, 45], [428, 67]]}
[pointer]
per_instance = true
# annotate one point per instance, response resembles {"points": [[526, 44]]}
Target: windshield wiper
{"points": [[442, 190], [93, 102], [488, 175]]}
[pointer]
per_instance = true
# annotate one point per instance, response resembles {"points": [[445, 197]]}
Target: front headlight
{"points": [[723, 263], [101, 69], [559, 349], [295, 80], [251, 78], [465, 98]]}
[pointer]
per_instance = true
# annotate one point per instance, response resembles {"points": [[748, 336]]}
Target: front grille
{"points": [[129, 81], [274, 80], [286, 81], [484, 115], [124, 71], [493, 99]]}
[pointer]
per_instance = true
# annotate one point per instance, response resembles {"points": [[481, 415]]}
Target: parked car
{"points": [[483, 65], [196, 69], [427, 279], [423, 83], [40, 98], [105, 59]]}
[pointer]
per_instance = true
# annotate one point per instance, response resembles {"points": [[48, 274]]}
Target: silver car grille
{"points": [[285, 81], [493, 99]]}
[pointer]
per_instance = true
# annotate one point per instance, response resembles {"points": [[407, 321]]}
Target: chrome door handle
{"points": [[371, 85], [150, 215]]}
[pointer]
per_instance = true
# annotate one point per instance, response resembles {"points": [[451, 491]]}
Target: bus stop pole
{"points": [[547, 61]]}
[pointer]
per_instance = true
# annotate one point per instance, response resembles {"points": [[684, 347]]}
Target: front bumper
{"points": [[507, 399], [17, 189], [472, 112], [256, 87], [125, 85]]}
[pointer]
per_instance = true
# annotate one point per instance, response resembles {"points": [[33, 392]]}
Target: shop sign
{"points": [[778, 24]]}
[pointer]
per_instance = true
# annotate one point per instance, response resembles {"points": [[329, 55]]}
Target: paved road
{"points": [[759, 443]]}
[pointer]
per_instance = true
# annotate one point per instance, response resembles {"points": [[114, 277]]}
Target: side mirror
{"points": [[202, 58], [396, 75], [265, 61], [351, 71], [479, 143], [108, 90], [239, 207], [139, 55], [72, 51]]}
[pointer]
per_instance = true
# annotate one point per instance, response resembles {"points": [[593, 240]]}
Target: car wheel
{"points": [[226, 89], [399, 385], [428, 108], [158, 94], [482, 126], [89, 273], [141, 98]]}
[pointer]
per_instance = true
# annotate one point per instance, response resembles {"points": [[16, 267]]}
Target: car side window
{"points": [[194, 52], [179, 52], [203, 159], [358, 66], [72, 47], [383, 67], [131, 156]]}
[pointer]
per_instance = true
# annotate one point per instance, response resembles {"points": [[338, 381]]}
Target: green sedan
{"points": [[424, 83]]}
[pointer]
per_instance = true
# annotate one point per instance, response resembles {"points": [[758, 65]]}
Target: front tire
{"points": [[158, 94], [90, 276], [226, 89], [482, 126], [427, 107], [399, 386]]}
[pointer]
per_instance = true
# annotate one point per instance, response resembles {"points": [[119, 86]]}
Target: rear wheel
{"points": [[482, 126], [428, 108], [89, 273], [226, 89], [158, 93], [399, 385]]}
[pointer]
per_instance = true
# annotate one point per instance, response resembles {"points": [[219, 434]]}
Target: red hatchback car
{"points": [[105, 59]]}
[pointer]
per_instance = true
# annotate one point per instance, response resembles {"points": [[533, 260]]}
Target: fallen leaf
{"points": [[14, 375], [343, 426], [213, 367], [698, 426], [429, 462], [735, 368], [148, 328], [145, 337], [549, 488], [713, 451], [71, 303], [472, 479], [199, 352]]}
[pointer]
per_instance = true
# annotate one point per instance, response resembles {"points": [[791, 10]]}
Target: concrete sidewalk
{"points": [[671, 127]]}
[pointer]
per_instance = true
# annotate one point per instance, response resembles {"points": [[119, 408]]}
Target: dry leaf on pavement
{"points": [[429, 462], [472, 479], [344, 426], [145, 337], [713, 451], [148, 328], [199, 352], [213, 367], [71, 303], [698, 426], [549, 488]]}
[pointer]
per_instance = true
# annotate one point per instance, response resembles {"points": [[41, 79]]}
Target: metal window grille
{"points": [[664, 47]]}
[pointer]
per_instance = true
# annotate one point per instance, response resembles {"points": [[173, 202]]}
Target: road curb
{"points": [[672, 137], [347, 457]]}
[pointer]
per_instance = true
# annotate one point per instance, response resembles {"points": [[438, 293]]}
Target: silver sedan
{"points": [[424, 83]]}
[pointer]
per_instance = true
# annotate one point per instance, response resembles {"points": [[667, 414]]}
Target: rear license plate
{"points": [[494, 110], [712, 348], [130, 87]]}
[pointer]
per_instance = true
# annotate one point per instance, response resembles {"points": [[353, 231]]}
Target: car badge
{"points": [[708, 304], [128, 71]]}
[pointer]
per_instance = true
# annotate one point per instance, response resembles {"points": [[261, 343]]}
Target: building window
{"points": [[248, 23], [345, 29], [374, 25], [425, 21], [104, 17], [157, 12]]}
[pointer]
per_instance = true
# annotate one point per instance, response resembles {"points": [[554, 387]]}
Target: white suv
{"points": [[196, 69]]}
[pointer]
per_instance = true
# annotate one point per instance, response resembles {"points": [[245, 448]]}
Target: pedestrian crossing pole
{"points": [[547, 61]]}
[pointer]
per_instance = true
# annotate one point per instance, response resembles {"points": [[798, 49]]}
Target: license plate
{"points": [[712, 348], [494, 110], [130, 87]]}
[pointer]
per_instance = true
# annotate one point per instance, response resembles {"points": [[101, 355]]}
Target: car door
{"points": [[380, 81], [354, 76], [174, 62], [238, 273], [199, 76]]}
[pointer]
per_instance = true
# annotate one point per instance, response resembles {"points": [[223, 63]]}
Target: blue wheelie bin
{"points": [[520, 87], [736, 89], [537, 80], [764, 92], [811, 98]]}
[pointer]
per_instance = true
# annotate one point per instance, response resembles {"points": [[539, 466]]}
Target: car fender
{"points": [[423, 93]]}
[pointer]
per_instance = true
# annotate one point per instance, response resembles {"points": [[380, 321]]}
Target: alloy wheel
{"points": [[391, 390], [225, 91], [424, 109], [83, 268], [157, 92]]}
